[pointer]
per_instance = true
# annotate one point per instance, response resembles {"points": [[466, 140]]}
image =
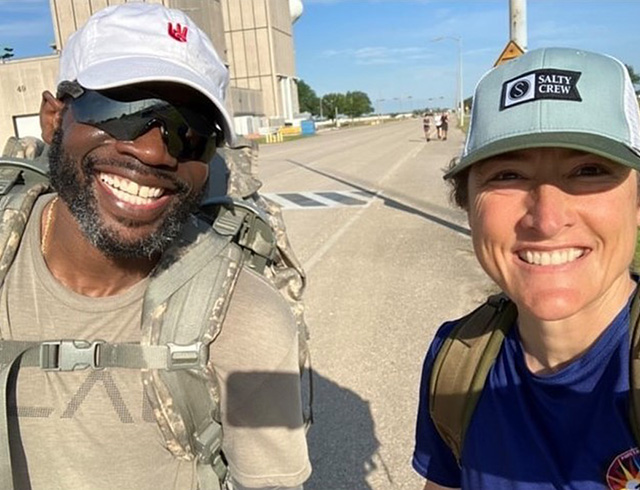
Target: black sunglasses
{"points": [[187, 134]]}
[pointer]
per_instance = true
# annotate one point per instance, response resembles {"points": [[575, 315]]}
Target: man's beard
{"points": [[75, 188]]}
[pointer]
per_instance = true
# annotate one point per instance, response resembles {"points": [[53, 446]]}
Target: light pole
{"points": [[378, 105], [399, 99], [460, 96], [518, 24]]}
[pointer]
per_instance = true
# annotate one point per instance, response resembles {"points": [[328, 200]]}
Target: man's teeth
{"points": [[130, 191], [557, 257]]}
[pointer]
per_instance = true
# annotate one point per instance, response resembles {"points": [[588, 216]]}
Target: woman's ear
{"points": [[50, 115]]}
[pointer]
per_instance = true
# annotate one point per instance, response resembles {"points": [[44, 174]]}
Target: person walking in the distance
{"points": [[117, 257], [427, 124], [444, 126], [437, 120], [549, 180]]}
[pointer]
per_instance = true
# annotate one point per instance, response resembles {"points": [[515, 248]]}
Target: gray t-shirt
{"points": [[95, 429]]}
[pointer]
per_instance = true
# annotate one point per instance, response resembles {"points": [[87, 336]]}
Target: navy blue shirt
{"points": [[568, 430]]}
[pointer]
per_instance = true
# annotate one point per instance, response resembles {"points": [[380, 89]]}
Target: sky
{"points": [[386, 48]]}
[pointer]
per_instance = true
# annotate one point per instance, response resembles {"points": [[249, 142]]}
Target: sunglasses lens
{"points": [[188, 135]]}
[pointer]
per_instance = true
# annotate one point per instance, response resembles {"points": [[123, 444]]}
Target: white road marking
{"points": [[319, 253]]}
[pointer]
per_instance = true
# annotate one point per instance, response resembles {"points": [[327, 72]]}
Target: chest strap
{"points": [[75, 355]]}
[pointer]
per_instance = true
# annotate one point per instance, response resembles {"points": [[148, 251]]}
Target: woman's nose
{"points": [[548, 210]]}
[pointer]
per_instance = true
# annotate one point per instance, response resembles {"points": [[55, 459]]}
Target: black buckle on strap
{"points": [[70, 355]]}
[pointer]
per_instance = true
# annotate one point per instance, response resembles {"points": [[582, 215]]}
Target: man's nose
{"points": [[151, 147], [548, 210]]}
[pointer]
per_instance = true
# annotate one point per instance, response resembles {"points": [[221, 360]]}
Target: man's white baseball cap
{"points": [[555, 97], [141, 42]]}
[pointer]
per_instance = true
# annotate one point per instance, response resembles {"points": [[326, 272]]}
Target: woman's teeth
{"points": [[557, 257]]}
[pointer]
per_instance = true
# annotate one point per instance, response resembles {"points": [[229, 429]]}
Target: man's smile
{"points": [[129, 191]]}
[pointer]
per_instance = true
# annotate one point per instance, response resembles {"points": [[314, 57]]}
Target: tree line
{"points": [[351, 104], [355, 104]]}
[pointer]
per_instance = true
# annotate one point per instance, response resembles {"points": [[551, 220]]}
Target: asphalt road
{"points": [[386, 265]]}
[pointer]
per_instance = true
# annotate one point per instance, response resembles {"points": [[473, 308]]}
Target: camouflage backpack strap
{"points": [[271, 254], [247, 226], [257, 226], [634, 366], [185, 305], [462, 365], [290, 278], [21, 183], [184, 308]]}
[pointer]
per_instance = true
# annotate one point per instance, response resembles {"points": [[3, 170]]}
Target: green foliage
{"points": [[356, 104], [309, 101], [332, 104], [352, 104], [7, 54]]}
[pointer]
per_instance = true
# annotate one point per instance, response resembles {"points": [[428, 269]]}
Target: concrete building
{"points": [[261, 59], [254, 37]]}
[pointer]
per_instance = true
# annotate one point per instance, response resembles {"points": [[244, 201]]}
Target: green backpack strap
{"points": [[73, 355], [462, 365], [21, 183], [456, 385], [634, 366], [249, 227], [185, 306]]}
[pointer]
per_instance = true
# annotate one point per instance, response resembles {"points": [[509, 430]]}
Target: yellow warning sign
{"points": [[511, 51]]}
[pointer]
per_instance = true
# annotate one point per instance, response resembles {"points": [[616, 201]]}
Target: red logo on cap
{"points": [[178, 32]]}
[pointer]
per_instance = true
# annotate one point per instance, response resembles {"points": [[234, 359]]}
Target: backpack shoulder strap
{"points": [[21, 183], [462, 365], [634, 366], [249, 227], [184, 308]]}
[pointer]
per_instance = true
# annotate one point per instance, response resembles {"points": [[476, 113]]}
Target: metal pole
{"points": [[518, 24]]}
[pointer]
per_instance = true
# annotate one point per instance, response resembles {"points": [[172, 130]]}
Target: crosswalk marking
{"points": [[320, 199]]}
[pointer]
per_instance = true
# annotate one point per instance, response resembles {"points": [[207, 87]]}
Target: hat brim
{"points": [[591, 143], [131, 70]]}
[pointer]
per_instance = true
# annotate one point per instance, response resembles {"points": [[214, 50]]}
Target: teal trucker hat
{"points": [[556, 97]]}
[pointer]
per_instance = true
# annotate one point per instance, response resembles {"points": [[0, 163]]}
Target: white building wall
{"points": [[254, 36]]}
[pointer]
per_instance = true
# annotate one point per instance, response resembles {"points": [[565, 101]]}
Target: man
{"points": [[551, 194], [136, 119]]}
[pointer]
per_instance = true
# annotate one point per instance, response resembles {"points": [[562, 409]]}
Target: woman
{"points": [[551, 195]]}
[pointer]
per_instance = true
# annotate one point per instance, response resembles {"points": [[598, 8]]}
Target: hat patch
{"points": [[178, 32], [538, 85]]}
